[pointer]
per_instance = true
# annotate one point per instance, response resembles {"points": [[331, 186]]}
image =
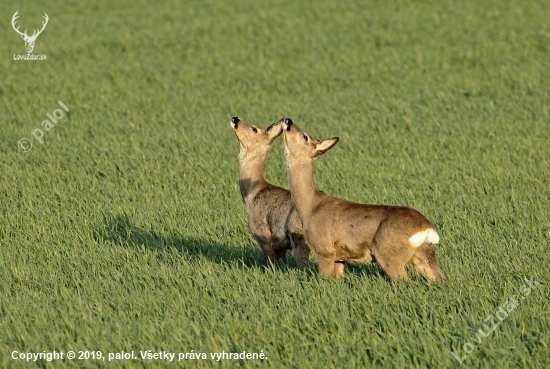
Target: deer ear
{"points": [[324, 146], [274, 130]]}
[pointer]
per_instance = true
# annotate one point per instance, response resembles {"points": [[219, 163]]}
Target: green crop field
{"points": [[122, 228]]}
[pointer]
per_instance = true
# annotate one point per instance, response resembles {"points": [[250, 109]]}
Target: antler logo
{"points": [[29, 40]]}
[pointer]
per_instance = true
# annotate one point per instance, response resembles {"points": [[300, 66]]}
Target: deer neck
{"points": [[251, 174], [302, 187]]}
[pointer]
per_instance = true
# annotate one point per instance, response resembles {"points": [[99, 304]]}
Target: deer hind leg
{"points": [[280, 256], [325, 265], [267, 250], [392, 256], [269, 257], [393, 270], [338, 268], [300, 249], [425, 262]]}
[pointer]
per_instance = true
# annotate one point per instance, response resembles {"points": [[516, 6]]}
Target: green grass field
{"points": [[125, 229]]}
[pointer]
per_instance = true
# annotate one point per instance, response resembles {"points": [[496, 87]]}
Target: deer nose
{"points": [[235, 122], [287, 123]]}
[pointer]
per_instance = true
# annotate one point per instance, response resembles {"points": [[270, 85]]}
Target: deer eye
{"points": [[305, 137], [255, 130]]}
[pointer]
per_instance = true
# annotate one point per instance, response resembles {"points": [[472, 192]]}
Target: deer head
{"points": [[29, 40], [301, 147], [254, 139]]}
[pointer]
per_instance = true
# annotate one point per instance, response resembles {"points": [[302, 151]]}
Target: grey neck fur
{"points": [[251, 173]]}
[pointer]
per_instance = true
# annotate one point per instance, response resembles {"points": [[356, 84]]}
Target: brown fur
{"points": [[272, 220], [338, 230]]}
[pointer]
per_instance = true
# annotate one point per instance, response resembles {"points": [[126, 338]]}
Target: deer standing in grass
{"points": [[338, 230], [272, 220]]}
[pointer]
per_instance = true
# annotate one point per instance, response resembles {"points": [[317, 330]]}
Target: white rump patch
{"points": [[427, 236]]}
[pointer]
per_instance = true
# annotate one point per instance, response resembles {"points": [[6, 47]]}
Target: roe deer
{"points": [[272, 220], [339, 230]]}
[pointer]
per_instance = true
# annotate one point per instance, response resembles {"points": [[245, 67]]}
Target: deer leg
{"points": [[395, 269], [425, 262], [300, 249], [325, 265], [269, 259], [280, 256], [392, 254], [339, 268], [392, 264], [269, 254]]}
